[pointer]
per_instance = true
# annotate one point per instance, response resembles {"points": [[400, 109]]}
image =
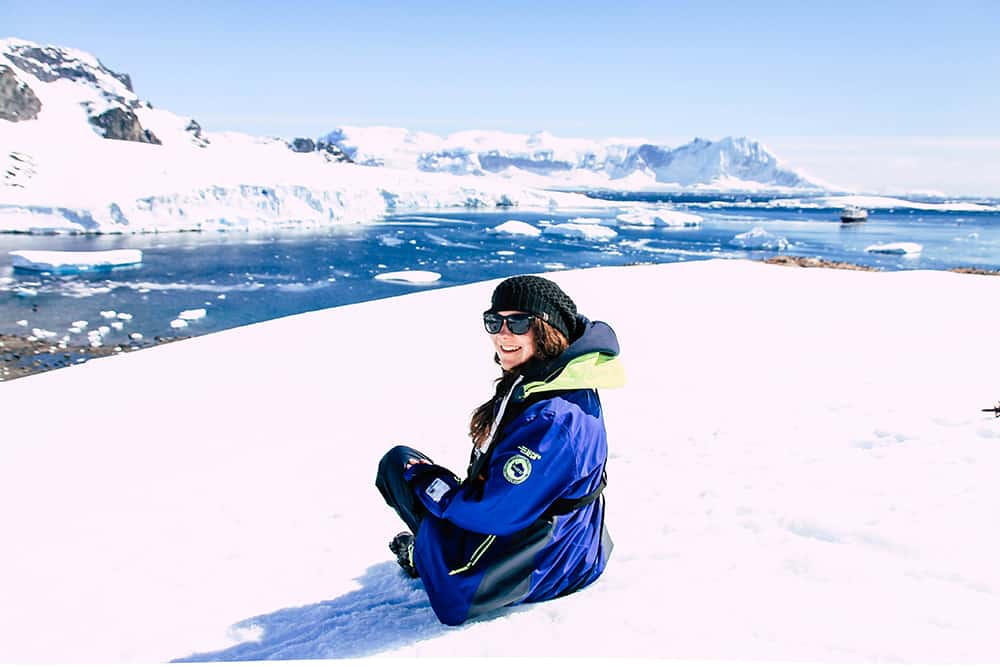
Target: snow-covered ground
{"points": [[800, 470]]}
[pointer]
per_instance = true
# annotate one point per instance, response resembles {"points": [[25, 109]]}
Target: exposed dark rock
{"points": [[302, 145], [17, 99], [332, 152], [50, 64], [195, 128], [123, 124], [816, 263]]}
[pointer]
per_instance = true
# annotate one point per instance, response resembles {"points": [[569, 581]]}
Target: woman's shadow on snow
{"points": [[388, 611]]}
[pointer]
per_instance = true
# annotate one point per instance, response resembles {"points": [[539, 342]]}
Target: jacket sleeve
{"points": [[530, 468]]}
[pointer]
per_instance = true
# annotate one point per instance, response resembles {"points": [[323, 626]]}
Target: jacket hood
{"points": [[590, 362]]}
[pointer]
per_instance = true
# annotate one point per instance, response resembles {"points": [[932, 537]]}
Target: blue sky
{"points": [[804, 77]]}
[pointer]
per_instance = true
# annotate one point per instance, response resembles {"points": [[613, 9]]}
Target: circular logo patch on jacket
{"points": [[517, 469]]}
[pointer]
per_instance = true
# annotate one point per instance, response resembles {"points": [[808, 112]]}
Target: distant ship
{"points": [[853, 214]]}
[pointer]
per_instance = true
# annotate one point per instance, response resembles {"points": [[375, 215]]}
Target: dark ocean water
{"points": [[240, 278]]}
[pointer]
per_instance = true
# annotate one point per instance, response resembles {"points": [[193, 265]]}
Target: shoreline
{"points": [[22, 356], [820, 263]]}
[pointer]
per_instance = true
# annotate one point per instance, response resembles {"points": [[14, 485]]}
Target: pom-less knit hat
{"points": [[540, 297]]}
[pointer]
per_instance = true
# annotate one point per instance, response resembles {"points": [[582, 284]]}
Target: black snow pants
{"points": [[395, 489]]}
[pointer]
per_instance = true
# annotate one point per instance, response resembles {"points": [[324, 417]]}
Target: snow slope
{"points": [[800, 471]]}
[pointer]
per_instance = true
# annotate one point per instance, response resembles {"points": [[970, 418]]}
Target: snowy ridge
{"points": [[729, 164]]}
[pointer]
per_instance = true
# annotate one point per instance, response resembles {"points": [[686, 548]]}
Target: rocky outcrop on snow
{"points": [[17, 100], [122, 124], [50, 63], [331, 151], [111, 101]]}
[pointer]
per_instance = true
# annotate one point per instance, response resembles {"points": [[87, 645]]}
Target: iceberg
{"points": [[659, 218], [515, 228], [64, 261], [759, 238], [578, 230], [193, 314], [904, 248]]}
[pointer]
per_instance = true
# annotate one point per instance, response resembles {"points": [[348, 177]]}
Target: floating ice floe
{"points": [[578, 230], [515, 228], [415, 277], [586, 221], [659, 218], [109, 314], [193, 314], [759, 238], [904, 248], [65, 261], [178, 324]]}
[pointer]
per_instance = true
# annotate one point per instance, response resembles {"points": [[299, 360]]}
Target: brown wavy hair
{"points": [[549, 344]]}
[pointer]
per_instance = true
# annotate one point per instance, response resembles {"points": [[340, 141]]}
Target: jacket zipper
{"points": [[476, 555]]}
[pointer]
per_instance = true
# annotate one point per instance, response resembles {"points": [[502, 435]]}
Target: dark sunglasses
{"points": [[517, 324]]}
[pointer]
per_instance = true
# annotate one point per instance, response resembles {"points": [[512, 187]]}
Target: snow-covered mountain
{"points": [[80, 151], [731, 163]]}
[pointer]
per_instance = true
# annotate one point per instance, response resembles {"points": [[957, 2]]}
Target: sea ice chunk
{"points": [[417, 277], [193, 314], [903, 248], [759, 238], [659, 218], [515, 228], [178, 323], [577, 230], [66, 261]]}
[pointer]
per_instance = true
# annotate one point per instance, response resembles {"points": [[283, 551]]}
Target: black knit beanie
{"points": [[540, 297]]}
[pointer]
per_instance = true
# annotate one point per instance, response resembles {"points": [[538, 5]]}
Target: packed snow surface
{"points": [[64, 261], [799, 470]]}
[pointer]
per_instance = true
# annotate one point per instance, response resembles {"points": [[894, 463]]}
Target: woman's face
{"points": [[513, 350]]}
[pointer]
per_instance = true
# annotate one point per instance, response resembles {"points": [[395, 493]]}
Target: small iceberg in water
{"points": [[896, 248], [66, 261], [515, 228], [415, 277], [659, 218], [581, 231], [759, 238]]}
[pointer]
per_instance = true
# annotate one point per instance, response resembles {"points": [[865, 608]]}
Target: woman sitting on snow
{"points": [[527, 524]]}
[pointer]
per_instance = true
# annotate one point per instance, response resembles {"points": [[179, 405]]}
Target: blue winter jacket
{"points": [[505, 535]]}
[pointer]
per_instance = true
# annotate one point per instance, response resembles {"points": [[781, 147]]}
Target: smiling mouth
{"points": [[507, 350]]}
